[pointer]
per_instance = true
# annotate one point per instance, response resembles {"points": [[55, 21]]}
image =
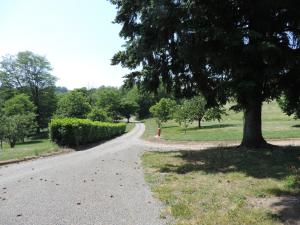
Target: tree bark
{"points": [[199, 123], [252, 135]]}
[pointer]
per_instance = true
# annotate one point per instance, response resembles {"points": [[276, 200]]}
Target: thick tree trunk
{"points": [[199, 123], [252, 136]]}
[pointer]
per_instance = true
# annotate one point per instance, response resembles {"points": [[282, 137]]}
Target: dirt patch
{"points": [[211, 144], [286, 207]]}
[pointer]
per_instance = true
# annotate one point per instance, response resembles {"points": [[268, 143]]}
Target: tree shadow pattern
{"points": [[278, 163]]}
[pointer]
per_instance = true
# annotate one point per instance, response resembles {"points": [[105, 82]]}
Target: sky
{"points": [[76, 36]]}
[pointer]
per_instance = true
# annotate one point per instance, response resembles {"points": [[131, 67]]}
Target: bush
{"points": [[75, 132], [99, 115]]}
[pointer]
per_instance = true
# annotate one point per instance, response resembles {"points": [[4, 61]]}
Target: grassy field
{"points": [[276, 125], [219, 186], [28, 149]]}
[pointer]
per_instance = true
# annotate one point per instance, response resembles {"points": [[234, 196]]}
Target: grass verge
{"points": [[276, 125], [28, 149], [215, 186]]}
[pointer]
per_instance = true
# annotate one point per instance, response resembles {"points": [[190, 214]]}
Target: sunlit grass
{"points": [[215, 186], [276, 125], [28, 149]]}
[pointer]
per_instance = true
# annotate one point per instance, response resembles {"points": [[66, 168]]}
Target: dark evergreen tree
{"points": [[241, 49]]}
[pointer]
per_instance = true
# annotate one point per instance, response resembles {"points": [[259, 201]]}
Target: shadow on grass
{"points": [[30, 142], [171, 126], [296, 126], [276, 163], [214, 126], [282, 163]]}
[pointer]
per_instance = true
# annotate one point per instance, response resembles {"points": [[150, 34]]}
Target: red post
{"points": [[158, 132]]}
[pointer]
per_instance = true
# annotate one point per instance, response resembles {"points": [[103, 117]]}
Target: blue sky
{"points": [[76, 36]]}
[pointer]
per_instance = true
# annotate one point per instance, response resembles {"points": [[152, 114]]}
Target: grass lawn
{"points": [[28, 149], [276, 125], [217, 186]]}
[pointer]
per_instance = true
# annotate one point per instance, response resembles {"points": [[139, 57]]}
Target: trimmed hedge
{"points": [[75, 132]]}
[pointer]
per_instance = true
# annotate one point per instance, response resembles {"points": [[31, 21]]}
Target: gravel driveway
{"points": [[101, 186]]}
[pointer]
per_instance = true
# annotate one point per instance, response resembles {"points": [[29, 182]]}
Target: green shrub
{"points": [[75, 132]]}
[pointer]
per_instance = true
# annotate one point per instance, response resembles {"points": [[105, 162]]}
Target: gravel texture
{"points": [[100, 186]]}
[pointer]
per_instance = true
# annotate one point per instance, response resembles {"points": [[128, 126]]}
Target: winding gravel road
{"points": [[101, 186]]}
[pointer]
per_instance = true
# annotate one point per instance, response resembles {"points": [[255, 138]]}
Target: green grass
{"points": [[129, 127], [276, 125], [215, 186], [28, 149]]}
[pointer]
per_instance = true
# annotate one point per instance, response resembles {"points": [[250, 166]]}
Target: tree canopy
{"points": [[241, 49], [73, 104], [18, 119], [163, 110], [30, 73]]}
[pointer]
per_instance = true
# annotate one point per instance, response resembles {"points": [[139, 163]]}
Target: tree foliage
{"points": [[246, 50], [30, 73], [163, 110], [18, 119], [198, 107], [183, 114], [98, 115], [73, 104], [128, 108], [109, 99]]}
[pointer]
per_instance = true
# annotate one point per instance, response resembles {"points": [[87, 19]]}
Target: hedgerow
{"points": [[75, 132]]}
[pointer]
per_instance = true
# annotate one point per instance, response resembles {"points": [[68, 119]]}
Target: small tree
{"points": [[128, 108], [163, 110], [290, 106], [98, 115], [18, 127], [73, 104], [19, 120], [198, 108], [215, 113], [183, 114]]}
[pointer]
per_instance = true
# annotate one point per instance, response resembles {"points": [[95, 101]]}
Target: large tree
{"points": [[31, 74], [241, 49], [73, 104], [109, 99]]}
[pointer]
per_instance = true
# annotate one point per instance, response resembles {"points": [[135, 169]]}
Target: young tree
{"points": [[73, 104], [19, 119], [163, 110], [215, 113], [31, 74], [198, 108], [183, 114], [128, 108], [246, 50]]}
